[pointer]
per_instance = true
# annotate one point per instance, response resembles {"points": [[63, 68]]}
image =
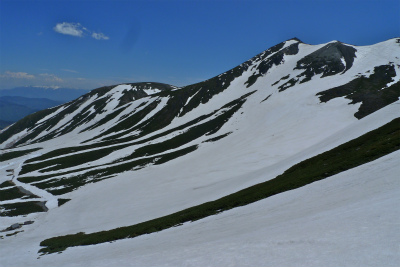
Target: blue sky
{"points": [[88, 44]]}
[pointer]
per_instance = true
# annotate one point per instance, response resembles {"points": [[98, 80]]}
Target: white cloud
{"points": [[17, 75], [10, 79], [69, 28], [50, 77], [76, 29], [51, 86], [99, 36]]}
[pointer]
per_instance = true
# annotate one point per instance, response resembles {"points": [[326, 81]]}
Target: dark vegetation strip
{"points": [[274, 60], [283, 78], [47, 124], [26, 123], [15, 233], [326, 61], [161, 118], [208, 127], [104, 120], [265, 99], [32, 179], [361, 150], [78, 119], [31, 121], [370, 91], [11, 193], [69, 161], [74, 182], [217, 137], [62, 201], [69, 150], [22, 208], [89, 156], [6, 184], [130, 121], [106, 150], [16, 154], [69, 184], [84, 116]]}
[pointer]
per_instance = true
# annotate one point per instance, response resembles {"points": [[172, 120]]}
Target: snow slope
{"points": [[349, 219]]}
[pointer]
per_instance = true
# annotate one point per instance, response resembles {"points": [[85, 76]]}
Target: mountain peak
{"points": [[295, 39], [137, 158], [307, 63]]}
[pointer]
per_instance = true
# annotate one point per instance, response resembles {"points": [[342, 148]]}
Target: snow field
{"points": [[353, 214], [349, 219]]}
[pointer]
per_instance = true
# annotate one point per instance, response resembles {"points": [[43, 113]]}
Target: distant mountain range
{"points": [[19, 102], [59, 94], [293, 154]]}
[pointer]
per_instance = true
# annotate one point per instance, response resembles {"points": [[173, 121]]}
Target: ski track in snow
{"points": [[50, 200]]}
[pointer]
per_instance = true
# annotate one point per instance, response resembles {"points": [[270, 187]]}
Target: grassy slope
{"points": [[16, 154], [361, 150], [21, 208]]}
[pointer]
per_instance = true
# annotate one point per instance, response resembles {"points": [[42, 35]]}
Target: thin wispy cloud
{"points": [[17, 75], [50, 77], [48, 87], [68, 70], [9, 79], [99, 36], [77, 30]]}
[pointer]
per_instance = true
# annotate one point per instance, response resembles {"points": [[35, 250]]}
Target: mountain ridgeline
{"points": [[128, 127]]}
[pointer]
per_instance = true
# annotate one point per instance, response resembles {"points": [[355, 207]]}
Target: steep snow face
{"points": [[134, 152]]}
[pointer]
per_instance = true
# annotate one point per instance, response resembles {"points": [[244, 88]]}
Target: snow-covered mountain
{"points": [[289, 159]]}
